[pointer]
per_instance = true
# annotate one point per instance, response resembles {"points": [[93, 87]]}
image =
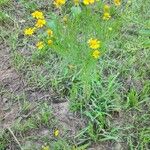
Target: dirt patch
{"points": [[10, 82], [67, 120], [4, 56], [8, 116], [107, 146]]}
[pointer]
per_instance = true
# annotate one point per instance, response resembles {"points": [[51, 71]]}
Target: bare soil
{"points": [[13, 84]]}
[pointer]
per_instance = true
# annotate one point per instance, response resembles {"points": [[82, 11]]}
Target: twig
{"points": [[15, 138]]}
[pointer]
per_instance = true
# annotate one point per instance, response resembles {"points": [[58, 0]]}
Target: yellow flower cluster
{"points": [[39, 23], [88, 2], [117, 2], [40, 19], [94, 44], [41, 44], [106, 15], [59, 3]]}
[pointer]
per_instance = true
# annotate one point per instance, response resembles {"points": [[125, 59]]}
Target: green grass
{"points": [[4, 2], [111, 94], [4, 16]]}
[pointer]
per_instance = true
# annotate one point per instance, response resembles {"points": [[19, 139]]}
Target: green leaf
{"points": [[145, 32], [132, 98], [51, 24], [75, 10], [146, 44]]}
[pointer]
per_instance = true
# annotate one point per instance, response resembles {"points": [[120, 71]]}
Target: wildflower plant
{"points": [[79, 39]]}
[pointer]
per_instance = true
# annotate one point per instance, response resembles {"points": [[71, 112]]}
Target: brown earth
{"points": [[13, 84]]}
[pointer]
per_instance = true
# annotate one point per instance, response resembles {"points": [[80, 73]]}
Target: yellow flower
{"points": [[94, 43], [38, 15], [106, 16], [40, 23], [117, 2], [49, 42], [45, 147], [87, 2], [56, 132], [96, 54], [40, 45], [29, 31], [106, 8], [59, 3], [50, 32], [76, 2]]}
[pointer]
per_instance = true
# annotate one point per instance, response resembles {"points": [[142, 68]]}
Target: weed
{"points": [[45, 114]]}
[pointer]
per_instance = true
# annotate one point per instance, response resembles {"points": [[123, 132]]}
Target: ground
{"points": [[14, 88], [32, 108]]}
